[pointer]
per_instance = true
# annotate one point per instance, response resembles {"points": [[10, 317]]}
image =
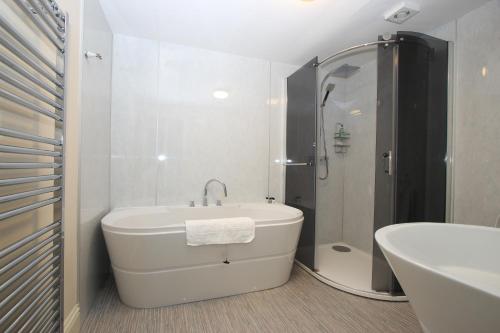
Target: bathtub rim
{"points": [[115, 214], [385, 244]]}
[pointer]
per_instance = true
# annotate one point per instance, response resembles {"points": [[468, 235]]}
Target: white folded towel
{"points": [[220, 231]]}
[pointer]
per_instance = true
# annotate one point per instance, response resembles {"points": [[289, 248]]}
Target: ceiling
{"points": [[289, 31]]}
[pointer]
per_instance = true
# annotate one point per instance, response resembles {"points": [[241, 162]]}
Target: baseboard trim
{"points": [[72, 321]]}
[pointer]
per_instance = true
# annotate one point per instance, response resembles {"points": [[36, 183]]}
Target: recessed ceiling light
{"points": [[162, 157], [221, 94], [484, 71]]}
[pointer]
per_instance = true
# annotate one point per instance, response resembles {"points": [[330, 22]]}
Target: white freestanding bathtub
{"points": [[450, 273], [154, 267]]}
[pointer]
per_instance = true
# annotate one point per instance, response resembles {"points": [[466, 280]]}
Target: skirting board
{"points": [[72, 321]]}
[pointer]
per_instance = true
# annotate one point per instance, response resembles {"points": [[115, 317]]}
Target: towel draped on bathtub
{"points": [[220, 231]]}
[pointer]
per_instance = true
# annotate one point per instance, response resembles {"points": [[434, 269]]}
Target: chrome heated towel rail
{"points": [[32, 83]]}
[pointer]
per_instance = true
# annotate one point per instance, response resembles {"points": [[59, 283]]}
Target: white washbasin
{"points": [[450, 273]]}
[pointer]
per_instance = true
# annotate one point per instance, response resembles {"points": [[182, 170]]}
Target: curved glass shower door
{"points": [[380, 155], [345, 182]]}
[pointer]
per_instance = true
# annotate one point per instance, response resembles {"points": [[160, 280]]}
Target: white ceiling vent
{"points": [[402, 12]]}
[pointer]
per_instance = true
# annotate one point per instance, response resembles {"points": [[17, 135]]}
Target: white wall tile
{"points": [[171, 111], [135, 90], [476, 190], [477, 148], [133, 181], [330, 192], [204, 137], [95, 151], [277, 123], [359, 181]]}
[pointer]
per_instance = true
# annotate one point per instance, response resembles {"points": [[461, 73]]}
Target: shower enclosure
{"points": [[366, 147]]}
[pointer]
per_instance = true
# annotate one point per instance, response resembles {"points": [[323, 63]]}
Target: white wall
{"points": [[162, 104], [476, 191], [95, 154]]}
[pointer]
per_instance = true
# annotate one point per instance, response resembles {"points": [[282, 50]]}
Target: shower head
{"points": [[328, 90], [345, 71], [330, 87]]}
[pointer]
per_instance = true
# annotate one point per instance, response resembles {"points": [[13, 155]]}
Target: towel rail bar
{"points": [[24, 57], [29, 105], [30, 137], [27, 194], [28, 253], [28, 208], [20, 243], [40, 12], [39, 23], [28, 75], [29, 165], [44, 277], [25, 180], [28, 151], [48, 327], [30, 266], [26, 297], [41, 322], [33, 34], [21, 86], [47, 303], [28, 45], [54, 12]]}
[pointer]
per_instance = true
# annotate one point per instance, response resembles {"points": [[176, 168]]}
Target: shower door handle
{"points": [[388, 162], [298, 164]]}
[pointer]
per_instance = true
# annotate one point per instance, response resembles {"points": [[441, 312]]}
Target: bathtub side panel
{"points": [[159, 251], [148, 290]]}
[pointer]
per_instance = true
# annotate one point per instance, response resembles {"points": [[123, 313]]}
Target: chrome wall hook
{"points": [[89, 54]]}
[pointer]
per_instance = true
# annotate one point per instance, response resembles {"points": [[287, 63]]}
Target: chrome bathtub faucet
{"points": [[205, 191]]}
